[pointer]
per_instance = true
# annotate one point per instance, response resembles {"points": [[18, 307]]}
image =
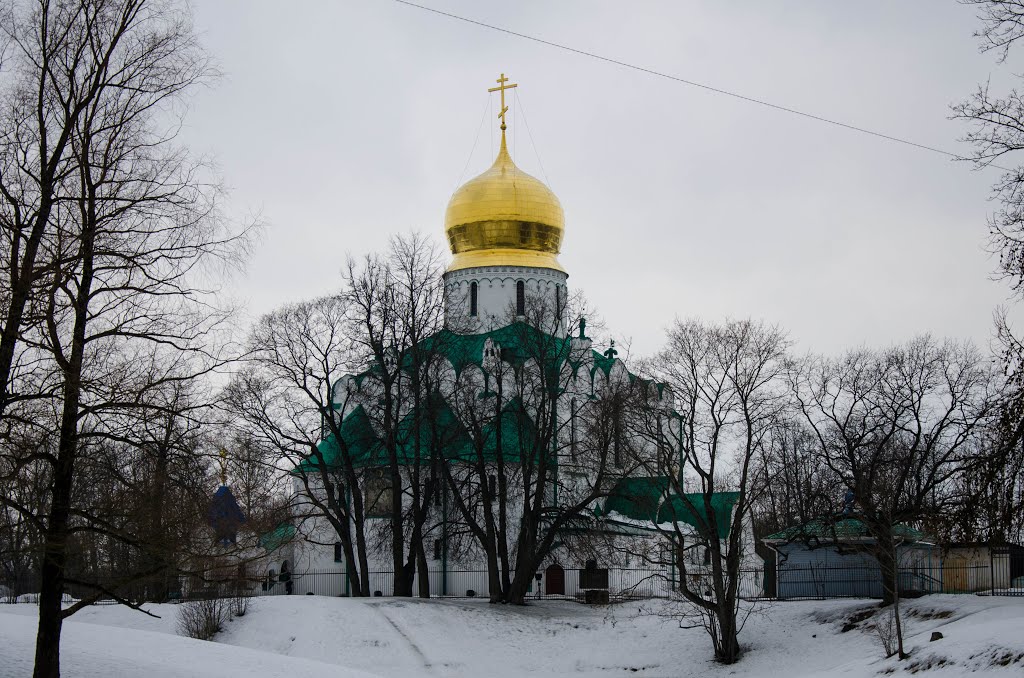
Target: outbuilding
{"points": [[829, 558]]}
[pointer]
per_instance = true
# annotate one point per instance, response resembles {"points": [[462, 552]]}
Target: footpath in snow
{"points": [[317, 636]]}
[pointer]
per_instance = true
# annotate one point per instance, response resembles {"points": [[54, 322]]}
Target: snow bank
{"points": [[306, 635], [91, 650]]}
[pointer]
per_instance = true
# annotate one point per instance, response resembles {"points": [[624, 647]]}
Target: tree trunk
{"points": [[24, 276], [352, 569], [421, 564], [889, 575], [47, 664], [51, 590], [728, 650], [517, 592], [899, 624], [364, 573]]}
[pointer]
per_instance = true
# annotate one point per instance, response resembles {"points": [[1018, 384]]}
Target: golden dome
{"points": [[504, 217]]}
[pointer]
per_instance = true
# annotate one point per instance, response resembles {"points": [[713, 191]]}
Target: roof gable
{"points": [[651, 499]]}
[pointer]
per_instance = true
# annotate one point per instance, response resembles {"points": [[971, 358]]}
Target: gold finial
{"points": [[223, 467], [501, 88]]}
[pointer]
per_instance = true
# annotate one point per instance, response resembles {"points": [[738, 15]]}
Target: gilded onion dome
{"points": [[504, 217]]}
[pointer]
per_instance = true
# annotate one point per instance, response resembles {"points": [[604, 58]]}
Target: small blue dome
{"points": [[225, 515]]}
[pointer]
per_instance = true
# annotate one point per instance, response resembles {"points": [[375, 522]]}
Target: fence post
{"points": [[991, 571]]}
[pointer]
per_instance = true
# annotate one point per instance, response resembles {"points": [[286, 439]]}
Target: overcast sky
{"points": [[344, 122]]}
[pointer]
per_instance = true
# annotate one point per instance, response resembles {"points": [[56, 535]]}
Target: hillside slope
{"points": [[297, 636]]}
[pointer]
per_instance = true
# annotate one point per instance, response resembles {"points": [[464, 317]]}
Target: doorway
{"points": [[554, 580]]}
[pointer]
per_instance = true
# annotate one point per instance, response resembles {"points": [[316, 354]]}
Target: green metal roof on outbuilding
{"points": [[842, 529], [651, 500]]}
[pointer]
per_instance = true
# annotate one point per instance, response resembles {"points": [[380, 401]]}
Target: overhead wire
{"points": [[693, 83], [476, 140], [533, 143]]}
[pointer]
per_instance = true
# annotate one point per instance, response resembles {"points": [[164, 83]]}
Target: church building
{"points": [[529, 444]]}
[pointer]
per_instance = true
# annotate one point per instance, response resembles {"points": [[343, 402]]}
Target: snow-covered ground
{"points": [[305, 635]]}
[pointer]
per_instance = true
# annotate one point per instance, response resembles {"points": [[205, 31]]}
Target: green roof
{"points": [[518, 341], [361, 443], [839, 529], [440, 425], [650, 499], [279, 536]]}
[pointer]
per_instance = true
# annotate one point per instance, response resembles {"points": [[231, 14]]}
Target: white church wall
{"points": [[496, 294]]}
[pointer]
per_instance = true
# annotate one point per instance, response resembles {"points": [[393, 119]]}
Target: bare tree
{"points": [[125, 223], [997, 136], [291, 399], [726, 381], [896, 427], [986, 504], [794, 485], [396, 314]]}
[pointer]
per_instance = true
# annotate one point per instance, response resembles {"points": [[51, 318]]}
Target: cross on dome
{"points": [[501, 88]]}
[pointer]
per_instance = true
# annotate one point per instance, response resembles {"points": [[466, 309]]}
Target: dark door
{"points": [[554, 580]]}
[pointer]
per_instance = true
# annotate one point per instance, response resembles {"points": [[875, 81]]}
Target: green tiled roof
{"points": [[518, 341], [279, 536], [361, 443], [439, 425], [651, 500], [844, 528]]}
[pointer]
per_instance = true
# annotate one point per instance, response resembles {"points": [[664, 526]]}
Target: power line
{"points": [[692, 83]]}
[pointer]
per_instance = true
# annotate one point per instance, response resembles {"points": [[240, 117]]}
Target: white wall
{"points": [[496, 294]]}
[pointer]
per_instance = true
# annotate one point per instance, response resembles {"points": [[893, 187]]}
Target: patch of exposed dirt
{"points": [[932, 613], [999, 656], [856, 618]]}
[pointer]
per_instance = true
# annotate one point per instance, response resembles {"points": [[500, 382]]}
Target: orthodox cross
{"points": [[501, 88]]}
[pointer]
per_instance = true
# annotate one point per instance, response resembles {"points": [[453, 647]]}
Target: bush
{"points": [[885, 627], [203, 619], [238, 604]]}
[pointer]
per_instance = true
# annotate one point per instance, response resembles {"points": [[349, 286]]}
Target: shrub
{"points": [[885, 627], [203, 619], [238, 604]]}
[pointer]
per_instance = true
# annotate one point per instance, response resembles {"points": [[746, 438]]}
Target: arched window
{"points": [[378, 491], [520, 298], [472, 299]]}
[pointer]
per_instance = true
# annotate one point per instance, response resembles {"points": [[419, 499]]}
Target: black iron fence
{"points": [[796, 582], [563, 584], [785, 582], [999, 576]]}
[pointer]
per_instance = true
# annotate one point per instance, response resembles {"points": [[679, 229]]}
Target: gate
{"points": [[1007, 567]]}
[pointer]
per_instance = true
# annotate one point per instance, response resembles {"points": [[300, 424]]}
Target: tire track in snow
{"points": [[413, 646]]}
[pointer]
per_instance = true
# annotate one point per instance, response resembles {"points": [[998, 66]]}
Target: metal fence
{"points": [[817, 582], [1000, 576], [622, 584]]}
